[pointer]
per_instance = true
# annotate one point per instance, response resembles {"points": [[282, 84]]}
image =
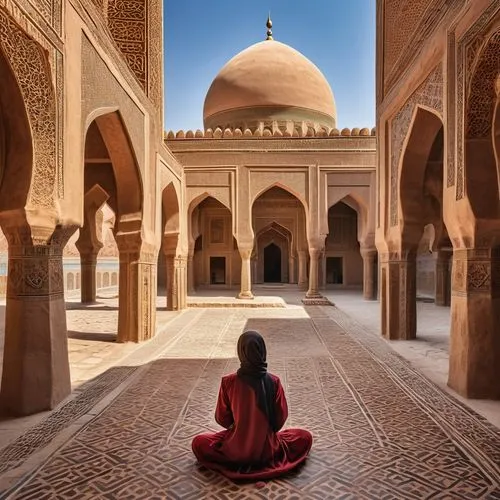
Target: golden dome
{"points": [[269, 81]]}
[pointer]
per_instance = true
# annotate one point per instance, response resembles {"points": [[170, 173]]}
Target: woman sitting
{"points": [[252, 408]]}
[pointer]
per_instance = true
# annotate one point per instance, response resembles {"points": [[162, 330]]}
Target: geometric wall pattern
{"points": [[381, 429]]}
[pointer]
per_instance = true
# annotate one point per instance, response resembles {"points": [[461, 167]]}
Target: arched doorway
{"points": [[421, 201], [278, 219], [216, 261], [171, 279], [112, 179], [272, 263], [343, 264]]}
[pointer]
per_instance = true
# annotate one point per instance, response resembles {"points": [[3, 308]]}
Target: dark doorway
{"points": [[272, 264], [217, 270], [334, 271]]}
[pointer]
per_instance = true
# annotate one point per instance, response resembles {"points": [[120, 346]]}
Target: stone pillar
{"points": [[190, 273], [172, 295], [88, 264], [246, 274], [399, 297], [369, 273], [314, 255], [302, 282], [475, 323], [181, 280], [442, 295], [35, 373], [137, 290]]}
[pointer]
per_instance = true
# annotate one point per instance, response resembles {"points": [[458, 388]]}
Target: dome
{"points": [[267, 82]]}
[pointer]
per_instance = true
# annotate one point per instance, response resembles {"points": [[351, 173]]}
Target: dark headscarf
{"points": [[253, 371]]}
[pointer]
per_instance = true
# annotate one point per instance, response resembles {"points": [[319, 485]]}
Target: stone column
{"points": [[190, 273], [475, 323], [442, 296], [35, 373], [314, 255], [246, 274], [369, 273], [181, 280], [172, 296], [302, 282], [88, 265], [399, 297], [137, 290]]}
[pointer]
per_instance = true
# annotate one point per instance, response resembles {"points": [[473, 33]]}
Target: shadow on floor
{"points": [[92, 336]]}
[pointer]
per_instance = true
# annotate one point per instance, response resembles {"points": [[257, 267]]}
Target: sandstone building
{"points": [[438, 122], [270, 192]]}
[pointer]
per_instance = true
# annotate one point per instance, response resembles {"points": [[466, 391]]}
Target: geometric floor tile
{"points": [[381, 430]]}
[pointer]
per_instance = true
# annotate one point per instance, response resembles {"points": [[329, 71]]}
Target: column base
{"points": [[317, 301], [245, 295]]}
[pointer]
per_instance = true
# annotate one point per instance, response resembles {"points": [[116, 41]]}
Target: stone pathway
{"points": [[381, 429]]}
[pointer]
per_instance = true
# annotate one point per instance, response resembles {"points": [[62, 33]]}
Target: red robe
{"points": [[249, 448]]}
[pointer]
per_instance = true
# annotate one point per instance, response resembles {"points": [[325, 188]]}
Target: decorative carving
{"points": [[155, 53], [31, 68], [406, 25], [478, 276], [127, 22], [451, 110], [482, 92], [428, 94], [468, 48]]}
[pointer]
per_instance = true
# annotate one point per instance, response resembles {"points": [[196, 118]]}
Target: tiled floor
{"points": [[381, 429]]}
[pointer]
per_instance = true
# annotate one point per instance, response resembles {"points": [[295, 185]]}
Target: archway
{"points": [[170, 281], [421, 202], [342, 264], [272, 263], [475, 309], [278, 218], [112, 179], [215, 259]]}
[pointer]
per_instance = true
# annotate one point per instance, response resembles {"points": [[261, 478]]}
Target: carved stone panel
{"points": [[475, 82], [31, 68], [127, 22]]}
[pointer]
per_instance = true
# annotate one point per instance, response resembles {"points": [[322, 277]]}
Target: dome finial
{"points": [[269, 25]]}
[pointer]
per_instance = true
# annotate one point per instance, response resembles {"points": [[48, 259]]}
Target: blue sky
{"points": [[336, 35]]}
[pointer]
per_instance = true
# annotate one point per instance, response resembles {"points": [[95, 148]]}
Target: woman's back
{"points": [[251, 439]]}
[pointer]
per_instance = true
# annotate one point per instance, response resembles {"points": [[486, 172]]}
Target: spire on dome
{"points": [[269, 25]]}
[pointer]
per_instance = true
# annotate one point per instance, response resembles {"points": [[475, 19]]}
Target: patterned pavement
{"points": [[381, 430]]}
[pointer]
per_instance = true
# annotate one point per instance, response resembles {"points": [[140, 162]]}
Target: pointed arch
{"points": [[170, 210], [283, 186], [201, 197], [129, 184], [426, 125]]}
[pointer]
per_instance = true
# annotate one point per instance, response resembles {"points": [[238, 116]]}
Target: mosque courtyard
{"points": [[383, 426]]}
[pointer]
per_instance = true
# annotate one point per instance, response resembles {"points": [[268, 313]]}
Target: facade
{"points": [[274, 193], [270, 192], [438, 88], [80, 127]]}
